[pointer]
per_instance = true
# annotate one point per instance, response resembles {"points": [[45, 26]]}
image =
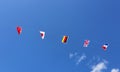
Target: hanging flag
{"points": [[64, 39], [19, 30], [104, 47], [42, 34], [86, 43]]}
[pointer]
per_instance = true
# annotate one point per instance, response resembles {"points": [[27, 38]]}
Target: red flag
{"points": [[19, 30]]}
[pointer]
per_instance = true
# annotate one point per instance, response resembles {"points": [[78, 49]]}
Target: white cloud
{"points": [[115, 70], [94, 60], [81, 58], [99, 67], [71, 55]]}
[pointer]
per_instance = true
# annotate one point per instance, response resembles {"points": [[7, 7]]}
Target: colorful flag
{"points": [[104, 47], [86, 43], [64, 39]]}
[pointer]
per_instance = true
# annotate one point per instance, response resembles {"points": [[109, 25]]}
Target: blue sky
{"points": [[96, 20]]}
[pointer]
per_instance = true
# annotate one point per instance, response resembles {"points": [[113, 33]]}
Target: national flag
{"points": [[19, 30], [86, 43], [42, 34], [64, 39], [104, 47]]}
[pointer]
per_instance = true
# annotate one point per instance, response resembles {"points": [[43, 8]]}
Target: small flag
{"points": [[42, 34], [19, 30], [86, 43], [104, 47], [64, 39]]}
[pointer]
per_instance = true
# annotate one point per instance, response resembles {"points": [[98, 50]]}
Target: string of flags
{"points": [[64, 39]]}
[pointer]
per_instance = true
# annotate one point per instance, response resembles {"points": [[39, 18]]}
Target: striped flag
{"points": [[86, 43], [104, 47], [42, 34], [64, 39]]}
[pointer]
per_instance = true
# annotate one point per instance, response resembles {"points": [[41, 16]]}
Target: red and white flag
{"points": [[104, 47], [42, 34], [86, 43]]}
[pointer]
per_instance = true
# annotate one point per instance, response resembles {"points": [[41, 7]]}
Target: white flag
{"points": [[42, 34]]}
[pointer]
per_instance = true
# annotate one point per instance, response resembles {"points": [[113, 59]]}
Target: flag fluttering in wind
{"points": [[104, 47], [42, 34], [19, 30], [64, 39], [86, 43]]}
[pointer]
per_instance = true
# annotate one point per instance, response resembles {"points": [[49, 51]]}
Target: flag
{"points": [[19, 30], [42, 34], [86, 43], [64, 39], [104, 47]]}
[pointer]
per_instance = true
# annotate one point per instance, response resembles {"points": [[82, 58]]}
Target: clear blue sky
{"points": [[96, 20]]}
